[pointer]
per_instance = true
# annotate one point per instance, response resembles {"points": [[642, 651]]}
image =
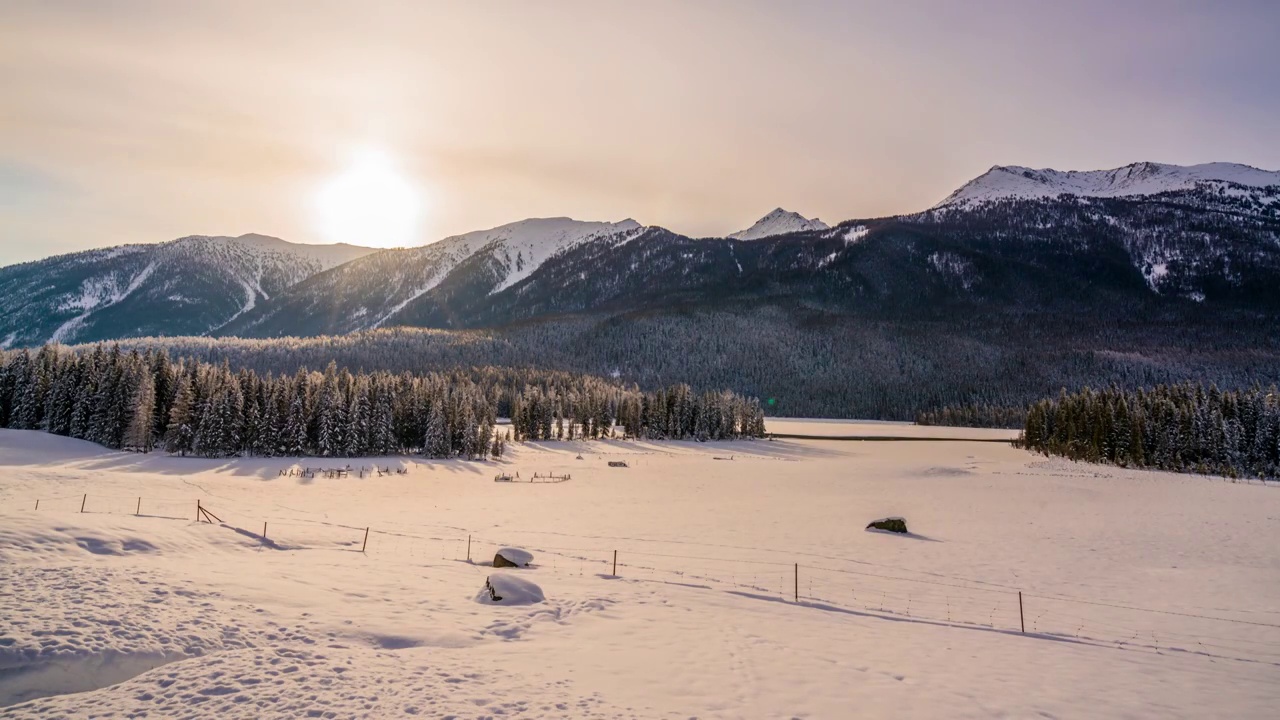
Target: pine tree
{"points": [[138, 434], [180, 434]]}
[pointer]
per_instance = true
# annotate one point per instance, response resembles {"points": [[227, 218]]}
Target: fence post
{"points": [[1022, 619], [84, 500], [139, 510], [197, 510], [468, 548], [797, 582], [365, 544], [615, 563], [264, 529], [37, 504]]}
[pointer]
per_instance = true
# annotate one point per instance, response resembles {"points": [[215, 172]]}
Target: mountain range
{"points": [[1204, 233], [1039, 279]]}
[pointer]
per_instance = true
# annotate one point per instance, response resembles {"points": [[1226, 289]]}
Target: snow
{"points": [[326, 256], [1144, 178], [251, 292], [524, 246], [1154, 273], [518, 248], [97, 293], [855, 233], [1145, 594], [779, 222]]}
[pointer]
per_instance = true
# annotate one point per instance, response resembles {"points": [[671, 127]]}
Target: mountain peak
{"points": [[1139, 178], [779, 222]]}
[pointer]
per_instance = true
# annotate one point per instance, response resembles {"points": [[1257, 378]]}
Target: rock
{"points": [[504, 589], [512, 557], [891, 524]]}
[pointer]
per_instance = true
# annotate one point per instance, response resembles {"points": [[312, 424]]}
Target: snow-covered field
{"points": [[1145, 594], [880, 428]]}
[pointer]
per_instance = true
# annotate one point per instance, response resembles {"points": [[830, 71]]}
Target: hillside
{"points": [[188, 286]]}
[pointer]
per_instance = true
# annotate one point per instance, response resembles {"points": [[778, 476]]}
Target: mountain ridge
{"points": [[778, 222], [1140, 178], [192, 285], [1161, 231]]}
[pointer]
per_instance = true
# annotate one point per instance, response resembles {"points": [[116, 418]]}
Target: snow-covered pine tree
{"points": [[180, 433], [138, 434]]}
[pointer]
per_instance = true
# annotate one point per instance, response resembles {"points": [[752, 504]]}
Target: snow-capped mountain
{"points": [[1143, 178], [385, 288], [519, 248], [1154, 236], [779, 222], [189, 286]]}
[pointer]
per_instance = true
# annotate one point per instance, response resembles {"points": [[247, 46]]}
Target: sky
{"points": [[130, 121]]}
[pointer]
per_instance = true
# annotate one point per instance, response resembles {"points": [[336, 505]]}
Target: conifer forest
{"points": [[143, 401], [1182, 428]]}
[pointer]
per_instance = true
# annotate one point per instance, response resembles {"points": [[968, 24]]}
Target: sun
{"points": [[371, 203]]}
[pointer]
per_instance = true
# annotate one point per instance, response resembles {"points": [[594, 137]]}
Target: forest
{"points": [[143, 401], [808, 362], [1182, 428]]}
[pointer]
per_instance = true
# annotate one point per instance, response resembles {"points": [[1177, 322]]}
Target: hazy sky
{"points": [[144, 121]]}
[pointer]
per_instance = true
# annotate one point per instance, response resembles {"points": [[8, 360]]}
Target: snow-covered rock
{"points": [[1143, 178], [779, 222], [512, 557], [504, 589]]}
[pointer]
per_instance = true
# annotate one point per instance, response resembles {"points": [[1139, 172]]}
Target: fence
{"points": [[824, 583]]}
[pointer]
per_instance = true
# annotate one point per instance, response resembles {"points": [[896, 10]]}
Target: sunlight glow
{"points": [[371, 203]]}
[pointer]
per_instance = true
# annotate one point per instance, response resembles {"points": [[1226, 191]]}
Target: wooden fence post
{"points": [[197, 510], [468, 548], [615, 563], [264, 529], [366, 540], [1022, 619], [37, 504], [139, 510], [84, 500], [797, 582]]}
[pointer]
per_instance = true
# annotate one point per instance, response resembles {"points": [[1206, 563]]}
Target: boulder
{"points": [[504, 589], [512, 557], [890, 524]]}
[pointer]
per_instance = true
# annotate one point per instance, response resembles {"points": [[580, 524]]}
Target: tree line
{"points": [[142, 401], [1182, 428], [809, 363], [979, 416]]}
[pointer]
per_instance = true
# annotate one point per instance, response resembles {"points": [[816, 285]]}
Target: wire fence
{"points": [[825, 583]]}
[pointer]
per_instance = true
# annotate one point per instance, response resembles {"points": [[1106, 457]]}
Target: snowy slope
{"points": [[779, 222], [1143, 178], [1145, 594], [188, 286], [372, 291], [522, 247]]}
